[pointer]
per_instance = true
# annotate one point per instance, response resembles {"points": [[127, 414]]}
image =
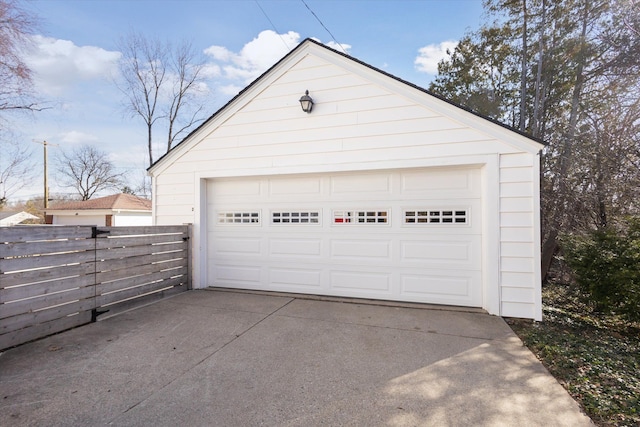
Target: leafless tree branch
{"points": [[88, 171]]}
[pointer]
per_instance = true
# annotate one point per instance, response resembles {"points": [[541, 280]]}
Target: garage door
{"points": [[404, 235]]}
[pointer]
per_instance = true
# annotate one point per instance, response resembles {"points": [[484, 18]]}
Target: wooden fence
{"points": [[54, 278]]}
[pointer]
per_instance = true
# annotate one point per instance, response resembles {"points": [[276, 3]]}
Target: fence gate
{"points": [[57, 277]]}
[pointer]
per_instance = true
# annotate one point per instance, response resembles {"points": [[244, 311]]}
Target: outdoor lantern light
{"points": [[306, 102]]}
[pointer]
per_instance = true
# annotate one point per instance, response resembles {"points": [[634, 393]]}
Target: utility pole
{"points": [[46, 183]]}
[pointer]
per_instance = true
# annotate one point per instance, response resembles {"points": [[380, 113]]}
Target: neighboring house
{"points": [[13, 218], [383, 191], [115, 210]]}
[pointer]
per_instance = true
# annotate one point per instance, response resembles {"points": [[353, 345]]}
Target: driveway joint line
{"points": [[386, 327]]}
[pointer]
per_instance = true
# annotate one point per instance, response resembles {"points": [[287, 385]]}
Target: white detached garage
{"points": [[382, 191]]}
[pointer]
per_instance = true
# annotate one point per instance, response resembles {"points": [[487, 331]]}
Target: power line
{"points": [[323, 26], [272, 25]]}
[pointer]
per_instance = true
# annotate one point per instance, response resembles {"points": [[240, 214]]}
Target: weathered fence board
{"points": [[45, 315], [55, 278], [35, 233], [117, 241], [8, 265], [142, 279], [48, 277], [105, 300], [38, 303], [146, 230], [133, 262], [20, 249], [43, 329], [131, 251], [20, 293], [123, 273], [121, 306]]}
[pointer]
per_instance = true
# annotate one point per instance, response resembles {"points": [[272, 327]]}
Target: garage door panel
{"points": [[440, 287], [295, 247], [447, 254], [450, 217], [293, 278], [349, 234], [360, 283], [374, 250], [236, 245], [233, 220], [233, 274]]}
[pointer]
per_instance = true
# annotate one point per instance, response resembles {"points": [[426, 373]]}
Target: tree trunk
{"points": [[538, 103], [523, 71], [549, 249], [559, 210], [150, 144]]}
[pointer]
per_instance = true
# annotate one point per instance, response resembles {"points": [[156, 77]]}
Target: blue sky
{"points": [[75, 54]]}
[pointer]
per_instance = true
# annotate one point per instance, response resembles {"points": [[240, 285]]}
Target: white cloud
{"points": [[59, 64], [219, 53], [231, 90], [254, 58], [340, 47], [135, 156], [77, 137], [429, 56], [233, 71], [211, 71]]}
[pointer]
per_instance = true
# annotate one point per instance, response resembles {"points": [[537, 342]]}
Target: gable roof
{"points": [[305, 43], [122, 201], [6, 214], [15, 217]]}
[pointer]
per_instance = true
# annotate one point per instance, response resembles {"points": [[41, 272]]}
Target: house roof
{"points": [[116, 201], [6, 214], [15, 217], [308, 41]]}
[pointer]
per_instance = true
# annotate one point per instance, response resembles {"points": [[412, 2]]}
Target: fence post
{"points": [[95, 234], [189, 256]]}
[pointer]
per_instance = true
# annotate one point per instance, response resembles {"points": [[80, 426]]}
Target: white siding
{"points": [[351, 123], [118, 219], [97, 220], [174, 198], [132, 219], [518, 245]]}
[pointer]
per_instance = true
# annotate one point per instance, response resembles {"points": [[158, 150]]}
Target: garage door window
{"points": [[361, 217], [239, 217], [431, 216], [295, 217]]}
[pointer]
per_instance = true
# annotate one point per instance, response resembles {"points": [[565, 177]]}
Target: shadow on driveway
{"points": [[219, 358]]}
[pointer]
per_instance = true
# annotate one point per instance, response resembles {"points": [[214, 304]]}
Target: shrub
{"points": [[606, 265]]}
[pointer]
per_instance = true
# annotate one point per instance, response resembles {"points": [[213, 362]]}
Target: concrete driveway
{"points": [[218, 358]]}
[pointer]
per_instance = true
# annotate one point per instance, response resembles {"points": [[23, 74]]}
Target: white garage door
{"points": [[406, 235]]}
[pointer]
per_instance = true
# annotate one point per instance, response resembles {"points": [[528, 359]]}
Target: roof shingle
{"points": [[115, 201]]}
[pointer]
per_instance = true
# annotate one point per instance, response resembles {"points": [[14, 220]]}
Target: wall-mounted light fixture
{"points": [[306, 102]]}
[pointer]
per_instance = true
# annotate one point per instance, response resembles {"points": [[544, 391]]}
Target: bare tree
{"points": [[187, 76], [16, 25], [16, 94], [159, 83], [88, 171], [16, 168], [138, 183], [143, 67]]}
